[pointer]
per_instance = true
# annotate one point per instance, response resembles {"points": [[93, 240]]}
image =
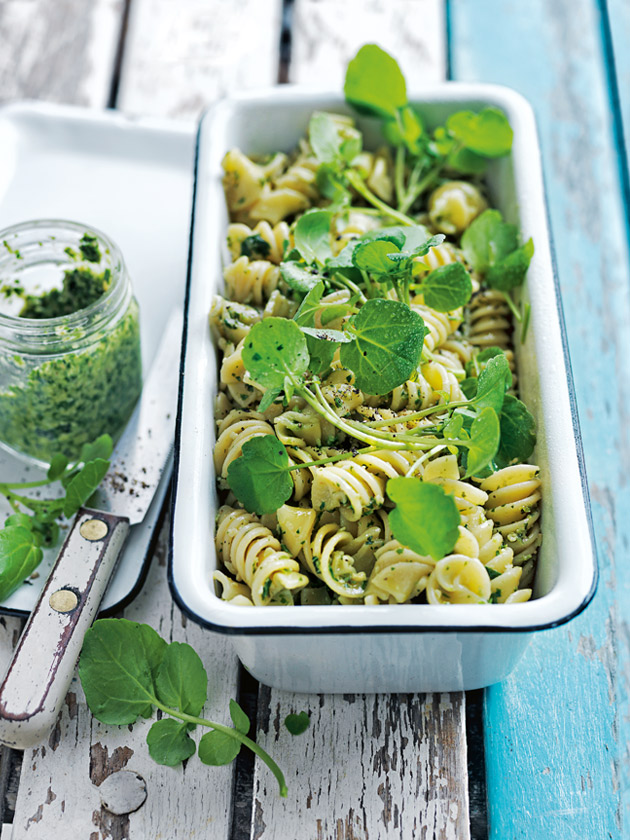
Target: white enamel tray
{"points": [[133, 180], [386, 647]]}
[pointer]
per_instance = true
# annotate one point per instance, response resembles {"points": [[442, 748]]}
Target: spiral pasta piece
{"points": [[322, 550], [250, 551], [458, 579], [245, 181], [445, 472], [399, 574], [231, 321], [251, 282], [276, 240], [233, 432], [454, 205], [514, 506], [358, 484], [233, 377]]}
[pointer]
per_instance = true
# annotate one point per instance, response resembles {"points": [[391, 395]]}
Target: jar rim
{"points": [[79, 318]]}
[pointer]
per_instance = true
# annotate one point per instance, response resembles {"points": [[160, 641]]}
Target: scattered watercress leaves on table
{"points": [[297, 723], [127, 670], [425, 517], [24, 533]]}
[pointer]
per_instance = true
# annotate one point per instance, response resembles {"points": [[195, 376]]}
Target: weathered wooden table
{"points": [[548, 749]]}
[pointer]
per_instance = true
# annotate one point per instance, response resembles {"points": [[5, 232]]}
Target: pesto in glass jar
{"points": [[70, 364]]}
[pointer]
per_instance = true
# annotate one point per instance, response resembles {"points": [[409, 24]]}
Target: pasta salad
{"points": [[371, 446]]}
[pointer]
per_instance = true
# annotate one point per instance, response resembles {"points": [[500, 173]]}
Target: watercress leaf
{"points": [[373, 256], [392, 233], [334, 336], [118, 665], [467, 162], [488, 240], [102, 448], [299, 277], [305, 316], [297, 724], [487, 133], [405, 129], [260, 478], [169, 742], [274, 349], [217, 748], [83, 485], [454, 427], [255, 247], [422, 248], [387, 346], [312, 235], [485, 434], [20, 555], [511, 270], [21, 519], [518, 432], [447, 288], [469, 387], [331, 183], [494, 380], [374, 84], [425, 517], [239, 718], [324, 137], [57, 467], [181, 681], [321, 354], [269, 397]]}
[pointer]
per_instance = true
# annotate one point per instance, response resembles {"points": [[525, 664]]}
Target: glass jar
{"points": [[67, 379]]}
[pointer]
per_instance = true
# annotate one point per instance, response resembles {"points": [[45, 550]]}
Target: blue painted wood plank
{"points": [[557, 730], [617, 23]]}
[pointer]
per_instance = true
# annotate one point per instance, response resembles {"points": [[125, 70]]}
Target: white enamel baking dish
{"points": [[387, 648]]}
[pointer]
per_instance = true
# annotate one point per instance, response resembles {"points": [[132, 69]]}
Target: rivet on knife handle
{"points": [[51, 642]]}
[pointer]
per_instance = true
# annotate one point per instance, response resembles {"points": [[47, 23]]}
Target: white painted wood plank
{"points": [[59, 50], [181, 56], [59, 783], [382, 766], [327, 33]]}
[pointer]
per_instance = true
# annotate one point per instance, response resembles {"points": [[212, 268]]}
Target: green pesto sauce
{"points": [[65, 402], [81, 287], [68, 401]]}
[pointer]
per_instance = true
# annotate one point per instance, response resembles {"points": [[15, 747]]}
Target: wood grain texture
{"points": [[557, 729], [327, 33], [376, 766], [61, 51], [180, 57], [59, 783]]}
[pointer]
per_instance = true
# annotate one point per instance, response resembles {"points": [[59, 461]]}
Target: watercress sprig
{"points": [[33, 524], [491, 246], [127, 671], [375, 86]]}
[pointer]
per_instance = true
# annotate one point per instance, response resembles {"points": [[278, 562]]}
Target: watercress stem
{"points": [[26, 484], [233, 733], [512, 305], [361, 187], [416, 188], [343, 456], [399, 175]]}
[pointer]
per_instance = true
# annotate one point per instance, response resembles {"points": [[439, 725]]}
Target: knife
{"points": [[43, 663]]}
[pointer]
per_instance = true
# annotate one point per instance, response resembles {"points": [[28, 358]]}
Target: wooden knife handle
{"points": [[43, 663]]}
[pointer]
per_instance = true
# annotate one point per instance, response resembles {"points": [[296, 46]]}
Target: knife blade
{"points": [[40, 671]]}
